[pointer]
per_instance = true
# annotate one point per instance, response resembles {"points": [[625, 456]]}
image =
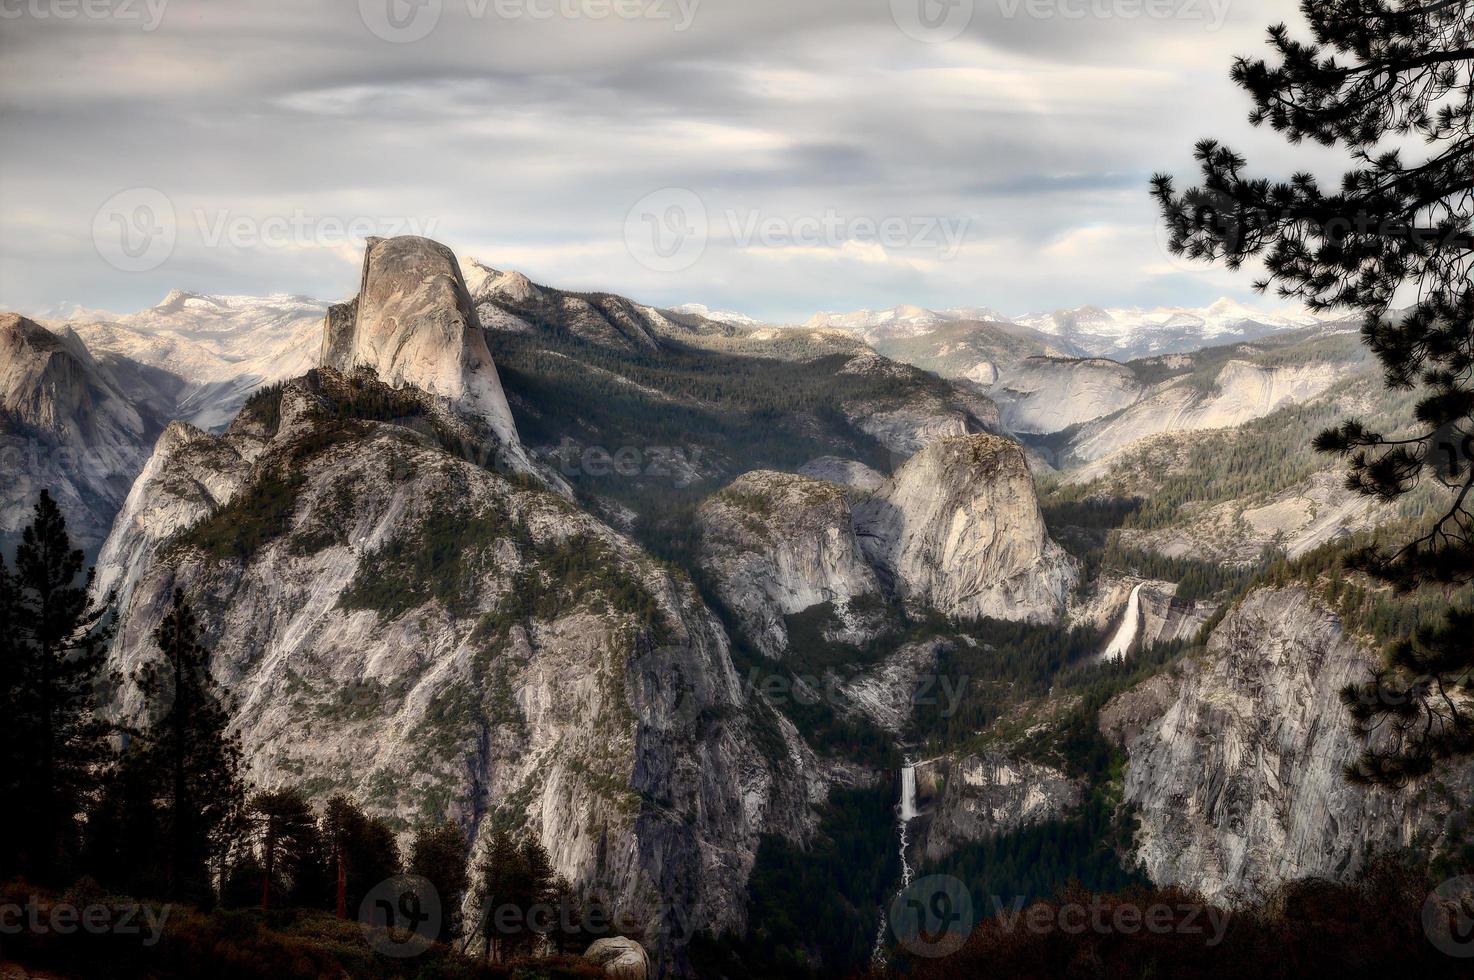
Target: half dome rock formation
{"points": [[958, 527], [779, 543], [67, 425], [413, 324]]}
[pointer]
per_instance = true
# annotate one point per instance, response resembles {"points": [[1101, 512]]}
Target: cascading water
{"points": [[905, 813], [1120, 644]]}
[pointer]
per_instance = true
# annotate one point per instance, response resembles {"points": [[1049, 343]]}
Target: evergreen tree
{"points": [[289, 852], [1395, 232], [12, 748], [515, 876], [362, 850], [193, 756], [568, 935], [124, 832], [57, 644], [439, 856]]}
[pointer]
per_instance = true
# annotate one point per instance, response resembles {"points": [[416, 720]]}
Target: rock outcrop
{"points": [[779, 543], [398, 623], [979, 796], [846, 472], [1236, 759], [958, 528], [1047, 394], [620, 958], [69, 426], [1240, 391], [413, 324]]}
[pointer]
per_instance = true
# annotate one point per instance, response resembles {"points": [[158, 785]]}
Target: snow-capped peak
{"points": [[717, 316]]}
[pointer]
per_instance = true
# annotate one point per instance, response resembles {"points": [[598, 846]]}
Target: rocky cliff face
{"points": [[779, 543], [402, 624], [1046, 394], [976, 797], [1241, 391], [413, 324], [958, 528], [1159, 616], [67, 425], [1236, 758]]}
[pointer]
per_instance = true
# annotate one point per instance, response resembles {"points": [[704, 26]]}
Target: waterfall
{"points": [[1120, 644], [908, 795], [905, 813]]}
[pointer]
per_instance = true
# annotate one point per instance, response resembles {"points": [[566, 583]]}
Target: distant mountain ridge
{"points": [[1120, 333]]}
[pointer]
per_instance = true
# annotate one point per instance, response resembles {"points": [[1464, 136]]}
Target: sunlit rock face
{"points": [[67, 425], [444, 642], [1237, 758], [779, 543], [413, 324], [958, 527]]}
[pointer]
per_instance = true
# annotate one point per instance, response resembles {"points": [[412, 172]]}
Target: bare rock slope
{"points": [[1235, 760], [958, 527]]}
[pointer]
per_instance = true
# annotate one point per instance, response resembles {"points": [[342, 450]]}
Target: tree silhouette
{"points": [[362, 849], [55, 645], [439, 856], [1394, 243], [194, 759]]}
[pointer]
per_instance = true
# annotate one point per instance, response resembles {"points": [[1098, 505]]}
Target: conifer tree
{"points": [[57, 642], [194, 758], [439, 856], [516, 876], [1393, 243], [361, 849], [288, 850]]}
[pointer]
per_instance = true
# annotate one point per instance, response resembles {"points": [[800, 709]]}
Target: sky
{"points": [[773, 157]]}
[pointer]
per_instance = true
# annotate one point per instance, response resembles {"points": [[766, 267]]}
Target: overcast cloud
{"points": [[771, 156]]}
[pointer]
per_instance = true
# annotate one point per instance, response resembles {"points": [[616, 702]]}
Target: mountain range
{"points": [[734, 617]]}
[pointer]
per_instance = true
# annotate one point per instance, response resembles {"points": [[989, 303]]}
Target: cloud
{"points": [[527, 140]]}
